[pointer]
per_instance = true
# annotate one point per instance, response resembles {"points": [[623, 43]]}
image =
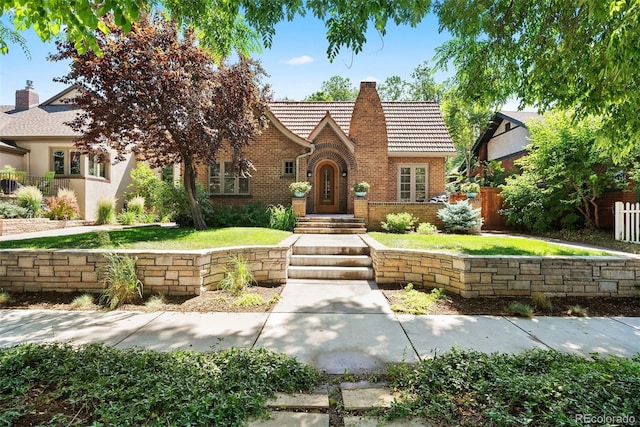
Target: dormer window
{"points": [[507, 126]]}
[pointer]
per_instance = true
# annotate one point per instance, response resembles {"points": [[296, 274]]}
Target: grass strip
{"points": [[155, 238], [481, 245]]}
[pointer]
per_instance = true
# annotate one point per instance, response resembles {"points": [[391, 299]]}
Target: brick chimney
{"points": [[27, 97], [368, 130]]}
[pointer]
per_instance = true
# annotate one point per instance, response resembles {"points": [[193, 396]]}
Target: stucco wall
{"points": [[507, 143]]}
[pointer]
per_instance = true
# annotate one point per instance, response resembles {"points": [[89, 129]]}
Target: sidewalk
{"points": [[328, 334]]}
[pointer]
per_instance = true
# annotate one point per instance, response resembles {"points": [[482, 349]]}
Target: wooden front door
{"points": [[327, 188]]}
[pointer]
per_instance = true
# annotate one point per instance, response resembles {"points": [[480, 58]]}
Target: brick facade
{"points": [[362, 155]]}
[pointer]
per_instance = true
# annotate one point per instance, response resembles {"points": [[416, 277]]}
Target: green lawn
{"points": [[162, 238], [480, 245]]}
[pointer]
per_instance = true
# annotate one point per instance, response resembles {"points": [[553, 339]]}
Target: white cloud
{"points": [[370, 79], [300, 60]]}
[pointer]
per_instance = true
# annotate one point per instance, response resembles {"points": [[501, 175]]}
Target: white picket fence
{"points": [[627, 218]]}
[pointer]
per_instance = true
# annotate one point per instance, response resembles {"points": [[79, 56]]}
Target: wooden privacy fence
{"points": [[627, 222], [491, 206]]}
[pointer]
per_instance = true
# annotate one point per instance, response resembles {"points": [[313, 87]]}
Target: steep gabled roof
{"points": [[46, 120], [520, 118], [412, 127], [302, 117]]}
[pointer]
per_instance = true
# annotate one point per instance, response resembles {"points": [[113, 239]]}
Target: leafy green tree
{"points": [[223, 25], [465, 121], [424, 87], [337, 88], [319, 96], [394, 89], [572, 54], [564, 174], [154, 92]]}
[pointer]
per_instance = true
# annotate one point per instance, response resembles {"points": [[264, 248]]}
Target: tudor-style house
{"points": [[399, 148]]}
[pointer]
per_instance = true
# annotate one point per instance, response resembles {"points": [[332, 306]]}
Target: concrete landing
{"points": [[336, 296], [338, 343]]}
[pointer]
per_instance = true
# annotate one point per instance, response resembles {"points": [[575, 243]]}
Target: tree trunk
{"points": [[191, 195]]}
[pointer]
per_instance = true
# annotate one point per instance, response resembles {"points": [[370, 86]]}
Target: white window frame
{"points": [[224, 178], [412, 182]]}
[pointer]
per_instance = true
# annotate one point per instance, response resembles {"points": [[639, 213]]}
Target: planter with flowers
{"points": [[300, 188], [361, 188], [471, 189]]}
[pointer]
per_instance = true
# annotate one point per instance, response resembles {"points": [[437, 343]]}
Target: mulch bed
{"points": [[217, 301]]}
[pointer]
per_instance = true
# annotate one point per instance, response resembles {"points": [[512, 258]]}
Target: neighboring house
{"points": [[400, 148], [505, 138], [34, 138]]}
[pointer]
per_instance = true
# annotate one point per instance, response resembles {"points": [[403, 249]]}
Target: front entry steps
{"points": [[330, 225], [331, 261]]}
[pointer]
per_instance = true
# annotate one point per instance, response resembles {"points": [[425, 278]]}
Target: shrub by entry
{"points": [[460, 217]]}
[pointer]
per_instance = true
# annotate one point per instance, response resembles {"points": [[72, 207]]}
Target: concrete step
{"points": [[330, 250], [330, 225], [327, 230], [323, 218], [331, 260], [331, 273]]}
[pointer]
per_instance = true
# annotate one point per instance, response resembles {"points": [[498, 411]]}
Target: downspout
{"points": [[313, 147]]}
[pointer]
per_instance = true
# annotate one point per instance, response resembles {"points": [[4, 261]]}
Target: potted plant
{"points": [[471, 189], [361, 188], [299, 188], [8, 179]]}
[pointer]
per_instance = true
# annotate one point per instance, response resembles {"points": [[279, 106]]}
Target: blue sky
{"points": [[297, 62]]}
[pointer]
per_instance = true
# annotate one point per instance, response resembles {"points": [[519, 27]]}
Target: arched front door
{"points": [[327, 188]]}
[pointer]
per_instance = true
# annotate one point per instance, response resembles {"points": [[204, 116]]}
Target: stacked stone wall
{"points": [[167, 272], [479, 276], [19, 226]]}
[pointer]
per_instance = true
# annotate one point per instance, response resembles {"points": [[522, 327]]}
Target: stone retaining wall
{"points": [[474, 276], [18, 226], [167, 272], [190, 272]]}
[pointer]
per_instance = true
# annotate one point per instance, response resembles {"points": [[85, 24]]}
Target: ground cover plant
{"points": [[413, 301], [480, 245], [541, 388], [160, 238], [61, 385]]}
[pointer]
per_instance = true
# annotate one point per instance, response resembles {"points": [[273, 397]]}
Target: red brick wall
{"points": [[267, 185], [368, 130]]}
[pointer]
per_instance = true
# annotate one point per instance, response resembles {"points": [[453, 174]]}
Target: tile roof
{"points": [[411, 126], [302, 117], [42, 121], [416, 127]]}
